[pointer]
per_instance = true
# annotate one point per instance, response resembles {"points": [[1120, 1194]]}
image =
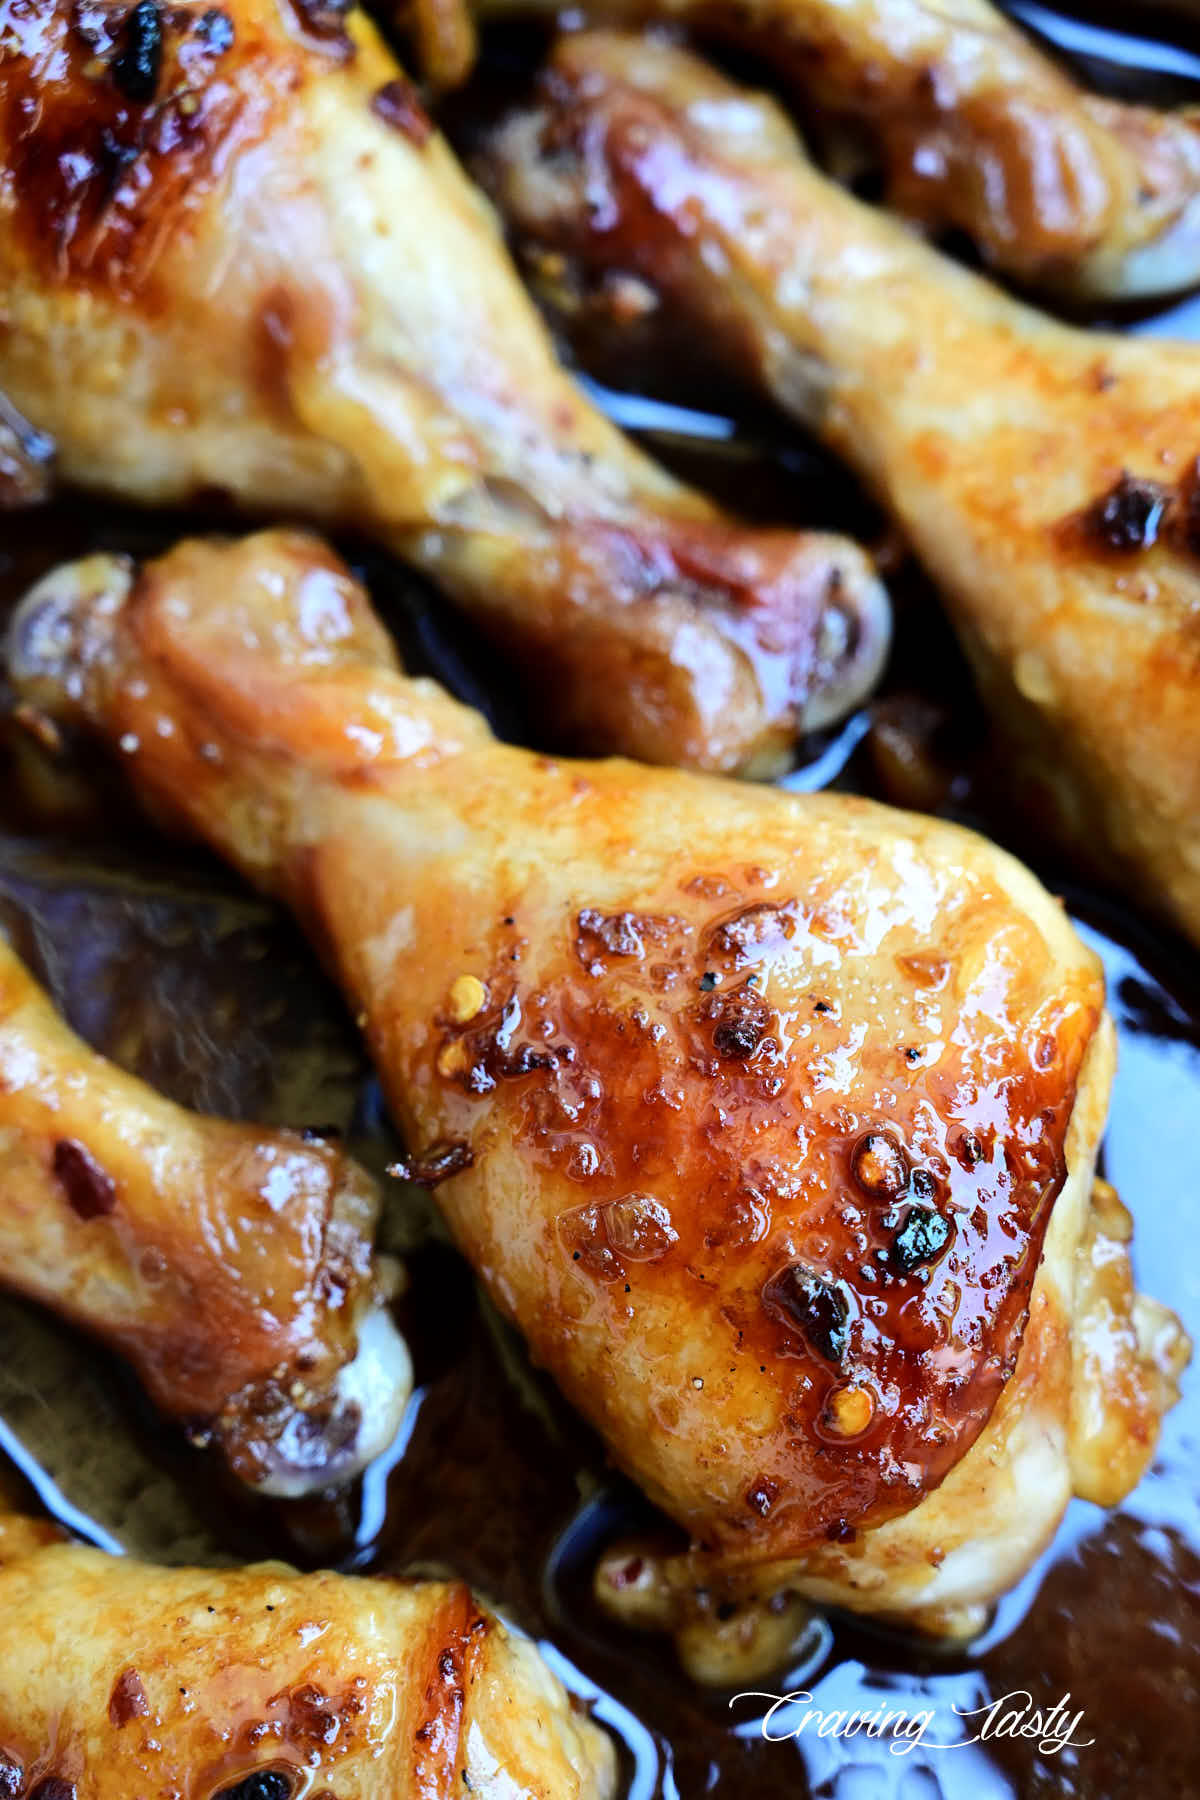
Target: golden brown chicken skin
{"points": [[769, 1119], [1048, 478], [121, 1681], [973, 127], [236, 260], [230, 1264]]}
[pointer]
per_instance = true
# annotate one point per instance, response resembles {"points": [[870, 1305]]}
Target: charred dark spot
{"points": [[736, 1039], [804, 1300], [921, 1239], [880, 1166], [53, 1787], [1129, 516], [137, 65], [741, 1020], [450, 1156], [127, 1700], [143, 102], [922, 1184], [314, 1716], [969, 1150], [523, 1061], [841, 1532], [12, 1777], [708, 982], [263, 1784], [397, 105], [91, 1190], [762, 1497]]}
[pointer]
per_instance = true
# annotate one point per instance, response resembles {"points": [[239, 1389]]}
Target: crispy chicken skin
{"points": [[1048, 478], [768, 1118], [120, 1679], [230, 1264], [235, 259], [974, 127]]}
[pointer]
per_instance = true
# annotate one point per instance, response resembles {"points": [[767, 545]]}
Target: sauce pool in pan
{"points": [[160, 960]]}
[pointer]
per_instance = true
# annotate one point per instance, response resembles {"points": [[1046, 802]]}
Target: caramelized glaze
{"points": [[256, 176], [488, 1484], [917, 1296]]}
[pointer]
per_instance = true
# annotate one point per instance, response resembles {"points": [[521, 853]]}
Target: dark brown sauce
{"points": [[163, 962]]}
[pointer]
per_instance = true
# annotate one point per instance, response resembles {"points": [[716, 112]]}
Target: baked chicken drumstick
{"points": [[768, 1118], [236, 259], [120, 1679], [974, 127], [1047, 477], [230, 1264]]}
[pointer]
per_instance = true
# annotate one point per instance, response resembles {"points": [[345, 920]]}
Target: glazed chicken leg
{"points": [[230, 1264], [769, 1119], [236, 259], [118, 1680], [1048, 478], [974, 127]]}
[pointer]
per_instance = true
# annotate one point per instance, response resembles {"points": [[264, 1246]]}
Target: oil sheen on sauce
{"points": [[210, 995]]}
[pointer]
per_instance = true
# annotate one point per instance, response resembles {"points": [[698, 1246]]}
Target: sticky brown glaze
{"points": [[1045, 476], [116, 121], [866, 1205], [780, 1110], [262, 177], [232, 1266], [973, 128], [117, 1678]]}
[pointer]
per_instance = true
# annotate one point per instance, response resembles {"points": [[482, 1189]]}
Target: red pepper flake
{"points": [[90, 1189], [1128, 517], [762, 1497], [128, 1699]]}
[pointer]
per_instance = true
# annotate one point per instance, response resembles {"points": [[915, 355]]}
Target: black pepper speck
{"points": [[138, 64]]}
